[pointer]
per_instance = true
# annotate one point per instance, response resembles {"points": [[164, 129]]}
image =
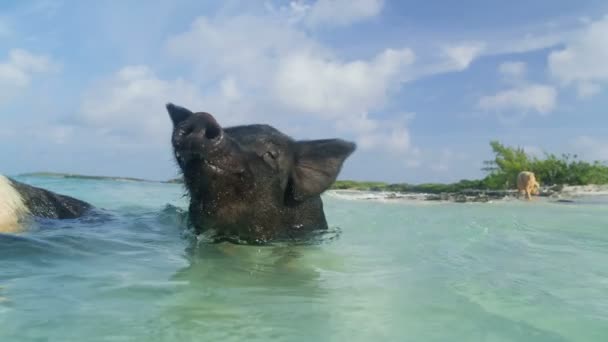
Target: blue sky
{"points": [[421, 86]]}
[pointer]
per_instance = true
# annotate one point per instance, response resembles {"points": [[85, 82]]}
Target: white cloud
{"points": [[28, 62], [454, 57], [345, 92], [246, 47], [460, 56], [229, 89], [132, 100], [334, 89], [341, 12], [525, 98], [16, 73], [396, 140], [278, 68], [587, 89], [389, 135], [533, 38], [512, 70], [583, 61]]}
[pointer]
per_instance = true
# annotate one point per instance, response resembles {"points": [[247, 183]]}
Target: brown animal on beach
{"points": [[526, 182]]}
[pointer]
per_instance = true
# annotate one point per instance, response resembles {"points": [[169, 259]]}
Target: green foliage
{"points": [[431, 188], [505, 167], [502, 172], [354, 185], [566, 169]]}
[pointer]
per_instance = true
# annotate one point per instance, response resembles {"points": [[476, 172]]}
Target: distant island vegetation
{"points": [[501, 175], [77, 176]]}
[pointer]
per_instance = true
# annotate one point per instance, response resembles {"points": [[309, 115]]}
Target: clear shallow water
{"points": [[398, 272]]}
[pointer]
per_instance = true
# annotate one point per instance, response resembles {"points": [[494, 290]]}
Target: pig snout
{"points": [[200, 135]]}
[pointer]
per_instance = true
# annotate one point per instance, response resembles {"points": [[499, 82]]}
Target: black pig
{"points": [[252, 183]]}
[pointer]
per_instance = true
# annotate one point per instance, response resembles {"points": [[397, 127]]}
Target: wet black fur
{"points": [[252, 183], [47, 204]]}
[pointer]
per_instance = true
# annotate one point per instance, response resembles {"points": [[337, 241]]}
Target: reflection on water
{"points": [[247, 292]]}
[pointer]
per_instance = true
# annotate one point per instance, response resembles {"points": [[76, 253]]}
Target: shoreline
{"points": [[562, 194], [556, 193], [93, 177]]}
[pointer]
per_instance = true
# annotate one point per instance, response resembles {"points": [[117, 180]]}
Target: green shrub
{"points": [[502, 172]]}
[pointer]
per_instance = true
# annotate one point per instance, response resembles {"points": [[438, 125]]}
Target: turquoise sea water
{"points": [[508, 271]]}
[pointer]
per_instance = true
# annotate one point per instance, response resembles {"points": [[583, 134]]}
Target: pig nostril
{"points": [[212, 132]]}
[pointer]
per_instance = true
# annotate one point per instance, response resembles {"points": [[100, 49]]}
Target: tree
{"points": [[507, 164], [566, 169]]}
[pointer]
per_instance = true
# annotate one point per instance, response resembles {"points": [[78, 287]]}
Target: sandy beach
{"points": [[566, 194]]}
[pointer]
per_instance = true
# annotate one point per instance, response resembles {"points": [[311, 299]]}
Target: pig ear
{"points": [[317, 164], [177, 113]]}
